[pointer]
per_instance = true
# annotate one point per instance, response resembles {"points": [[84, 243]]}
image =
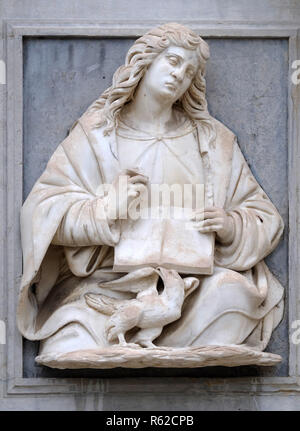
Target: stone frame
{"points": [[11, 162]]}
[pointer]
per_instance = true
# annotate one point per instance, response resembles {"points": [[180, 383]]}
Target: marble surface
{"points": [[220, 98], [130, 357], [144, 393]]}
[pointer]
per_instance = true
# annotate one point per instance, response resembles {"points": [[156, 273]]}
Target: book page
{"points": [[164, 241]]}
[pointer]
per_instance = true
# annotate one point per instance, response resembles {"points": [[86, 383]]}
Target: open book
{"points": [[167, 242]]}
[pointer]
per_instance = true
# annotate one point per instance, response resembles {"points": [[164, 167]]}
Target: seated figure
{"points": [[153, 125]]}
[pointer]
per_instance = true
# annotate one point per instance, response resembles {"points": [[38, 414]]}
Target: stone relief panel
{"points": [[245, 90]]}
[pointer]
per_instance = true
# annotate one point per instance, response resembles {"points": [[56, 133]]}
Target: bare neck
{"points": [[149, 114]]}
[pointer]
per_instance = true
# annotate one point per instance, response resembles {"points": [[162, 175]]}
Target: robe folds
{"points": [[240, 303]]}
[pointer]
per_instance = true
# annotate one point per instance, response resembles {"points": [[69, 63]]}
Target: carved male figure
{"points": [[154, 117]]}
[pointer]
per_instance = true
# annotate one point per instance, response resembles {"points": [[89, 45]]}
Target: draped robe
{"points": [[240, 303]]}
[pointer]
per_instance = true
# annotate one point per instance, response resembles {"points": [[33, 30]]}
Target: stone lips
{"points": [[162, 357]]}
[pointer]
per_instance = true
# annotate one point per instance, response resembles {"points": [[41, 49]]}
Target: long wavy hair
{"points": [[106, 109]]}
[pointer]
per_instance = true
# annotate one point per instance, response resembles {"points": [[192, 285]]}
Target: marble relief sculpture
{"points": [[103, 289]]}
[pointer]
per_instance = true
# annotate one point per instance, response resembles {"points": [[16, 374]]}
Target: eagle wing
{"points": [[103, 304], [136, 281]]}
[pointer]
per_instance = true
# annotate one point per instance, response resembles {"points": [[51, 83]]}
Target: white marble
{"points": [[151, 127], [186, 357]]}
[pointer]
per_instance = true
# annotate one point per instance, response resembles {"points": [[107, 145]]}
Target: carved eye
{"points": [[173, 60]]}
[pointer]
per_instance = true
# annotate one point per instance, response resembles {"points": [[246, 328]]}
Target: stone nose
{"points": [[178, 73]]}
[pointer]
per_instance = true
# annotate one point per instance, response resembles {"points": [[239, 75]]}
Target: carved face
{"points": [[171, 73]]}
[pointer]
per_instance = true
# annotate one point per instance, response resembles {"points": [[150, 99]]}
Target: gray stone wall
{"points": [[246, 90]]}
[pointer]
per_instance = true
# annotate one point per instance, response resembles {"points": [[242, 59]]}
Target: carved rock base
{"points": [[162, 357]]}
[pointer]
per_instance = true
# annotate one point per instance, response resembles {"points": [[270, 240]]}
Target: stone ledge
{"points": [[162, 357]]}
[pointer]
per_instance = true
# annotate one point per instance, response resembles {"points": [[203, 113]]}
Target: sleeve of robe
{"points": [[64, 206], [66, 193], [258, 225]]}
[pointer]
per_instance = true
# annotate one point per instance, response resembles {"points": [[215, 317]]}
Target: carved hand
{"points": [[213, 219], [120, 198]]}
